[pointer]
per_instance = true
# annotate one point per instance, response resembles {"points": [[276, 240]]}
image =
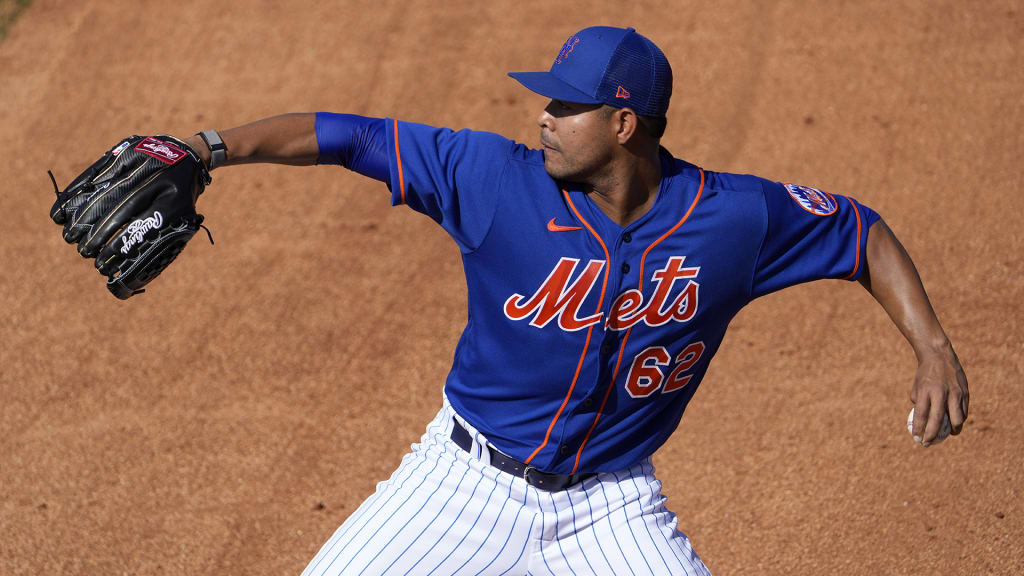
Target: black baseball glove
{"points": [[134, 210]]}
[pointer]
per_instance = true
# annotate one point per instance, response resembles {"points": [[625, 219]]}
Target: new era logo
{"points": [[622, 93]]}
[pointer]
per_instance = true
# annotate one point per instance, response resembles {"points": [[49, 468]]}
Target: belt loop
{"points": [[478, 447]]}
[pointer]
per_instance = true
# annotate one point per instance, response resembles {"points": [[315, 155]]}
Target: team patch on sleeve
{"points": [[813, 200]]}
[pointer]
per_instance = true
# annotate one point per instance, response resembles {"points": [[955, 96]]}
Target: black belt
{"points": [[505, 463]]}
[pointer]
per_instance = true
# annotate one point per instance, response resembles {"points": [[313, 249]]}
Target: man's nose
{"points": [[544, 120]]}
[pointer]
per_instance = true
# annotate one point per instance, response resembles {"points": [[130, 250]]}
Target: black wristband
{"points": [[218, 150]]}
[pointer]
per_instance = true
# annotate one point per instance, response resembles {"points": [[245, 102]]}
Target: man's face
{"points": [[578, 139]]}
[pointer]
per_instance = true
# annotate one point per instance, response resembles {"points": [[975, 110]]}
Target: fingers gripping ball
{"points": [[944, 430], [133, 210]]}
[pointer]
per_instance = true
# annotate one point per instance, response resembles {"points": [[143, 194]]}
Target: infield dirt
{"points": [[228, 420]]}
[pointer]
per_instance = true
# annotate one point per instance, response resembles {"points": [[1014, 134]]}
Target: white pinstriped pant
{"points": [[446, 511]]}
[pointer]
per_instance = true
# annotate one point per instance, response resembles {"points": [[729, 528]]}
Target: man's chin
{"points": [[555, 171]]}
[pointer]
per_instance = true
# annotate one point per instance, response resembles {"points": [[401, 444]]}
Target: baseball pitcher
{"points": [[602, 273]]}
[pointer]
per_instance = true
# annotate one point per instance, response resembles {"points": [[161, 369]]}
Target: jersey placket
{"points": [[623, 339], [621, 277], [559, 427], [581, 416]]}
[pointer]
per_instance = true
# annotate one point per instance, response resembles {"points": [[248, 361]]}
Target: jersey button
{"points": [[627, 237], [587, 402], [607, 348], [625, 268], [565, 449]]}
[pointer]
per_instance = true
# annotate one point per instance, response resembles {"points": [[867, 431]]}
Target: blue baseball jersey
{"points": [[585, 340]]}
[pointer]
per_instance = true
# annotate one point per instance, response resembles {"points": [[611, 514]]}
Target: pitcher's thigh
{"points": [[620, 525], [437, 514]]}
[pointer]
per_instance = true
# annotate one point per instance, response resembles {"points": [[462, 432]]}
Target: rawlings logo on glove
{"points": [[142, 192], [162, 151], [135, 231]]}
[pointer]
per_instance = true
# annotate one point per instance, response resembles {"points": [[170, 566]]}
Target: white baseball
{"points": [[943, 430]]}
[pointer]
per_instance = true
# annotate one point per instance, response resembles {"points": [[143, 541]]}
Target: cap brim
{"points": [[551, 86]]}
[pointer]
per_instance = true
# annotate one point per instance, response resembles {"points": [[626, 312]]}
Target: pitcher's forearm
{"points": [[892, 279], [284, 139], [940, 385]]}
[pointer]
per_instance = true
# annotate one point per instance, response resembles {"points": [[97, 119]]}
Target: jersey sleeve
{"points": [[453, 177], [810, 235], [355, 142]]}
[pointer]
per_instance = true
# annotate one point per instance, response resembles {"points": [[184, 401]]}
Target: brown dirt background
{"points": [[229, 419]]}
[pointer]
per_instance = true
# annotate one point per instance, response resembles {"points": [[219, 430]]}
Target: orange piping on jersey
{"points": [[604, 401], [398, 158], [700, 191], [590, 332], [856, 261], [625, 338]]}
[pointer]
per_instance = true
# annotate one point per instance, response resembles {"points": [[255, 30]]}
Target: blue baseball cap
{"points": [[606, 65]]}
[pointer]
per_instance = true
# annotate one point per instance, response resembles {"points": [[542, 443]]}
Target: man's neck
{"points": [[628, 189]]}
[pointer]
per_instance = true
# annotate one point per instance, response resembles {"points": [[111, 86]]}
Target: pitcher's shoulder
{"points": [[731, 182]]}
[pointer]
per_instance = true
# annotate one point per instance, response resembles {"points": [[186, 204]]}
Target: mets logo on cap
{"points": [[813, 200], [567, 48]]}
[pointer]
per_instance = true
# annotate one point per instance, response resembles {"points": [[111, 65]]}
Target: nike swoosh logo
{"points": [[556, 228]]}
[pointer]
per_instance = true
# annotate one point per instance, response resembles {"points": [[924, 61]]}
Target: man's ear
{"points": [[626, 124]]}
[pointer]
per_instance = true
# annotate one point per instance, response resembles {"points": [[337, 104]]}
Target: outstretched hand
{"points": [[940, 387]]}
